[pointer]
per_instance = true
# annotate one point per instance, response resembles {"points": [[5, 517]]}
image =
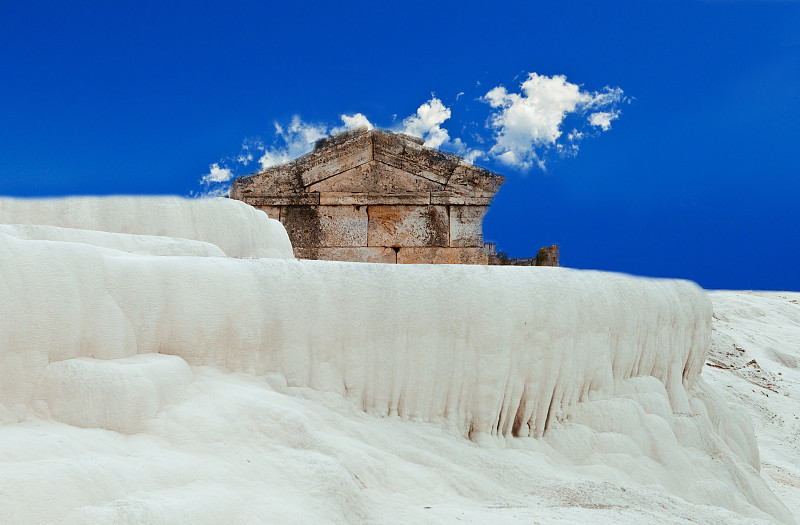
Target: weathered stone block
{"points": [[277, 180], [343, 225], [474, 181], [466, 226], [327, 161], [319, 226], [273, 212], [375, 177], [416, 255], [408, 226], [364, 199], [387, 149], [449, 197], [302, 199], [355, 254], [429, 163], [302, 225]]}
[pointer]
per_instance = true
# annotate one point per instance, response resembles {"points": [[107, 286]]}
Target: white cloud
{"points": [[245, 157], [426, 123], [217, 174], [217, 191], [299, 137], [603, 119], [296, 139], [291, 141], [470, 154], [528, 123], [606, 98], [215, 182], [575, 136], [525, 127], [357, 121]]}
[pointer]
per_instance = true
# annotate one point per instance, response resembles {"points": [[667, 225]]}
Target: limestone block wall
{"points": [[385, 233], [375, 196]]}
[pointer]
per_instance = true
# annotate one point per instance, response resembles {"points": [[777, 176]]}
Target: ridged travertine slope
{"points": [[491, 351]]}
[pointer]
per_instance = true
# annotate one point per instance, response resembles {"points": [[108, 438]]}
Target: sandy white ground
{"points": [[138, 387], [754, 362]]}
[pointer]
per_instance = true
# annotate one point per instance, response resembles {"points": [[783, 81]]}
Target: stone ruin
{"points": [[547, 256], [377, 196]]}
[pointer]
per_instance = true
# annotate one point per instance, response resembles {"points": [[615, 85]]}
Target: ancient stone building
{"points": [[377, 196]]}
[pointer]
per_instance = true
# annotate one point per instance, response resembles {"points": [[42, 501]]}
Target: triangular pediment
{"points": [[375, 177], [371, 162]]}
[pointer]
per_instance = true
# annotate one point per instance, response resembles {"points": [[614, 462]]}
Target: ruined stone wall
{"points": [[547, 256], [366, 230], [372, 196]]}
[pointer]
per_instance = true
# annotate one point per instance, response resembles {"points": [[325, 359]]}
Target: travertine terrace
{"points": [[170, 361], [377, 196]]}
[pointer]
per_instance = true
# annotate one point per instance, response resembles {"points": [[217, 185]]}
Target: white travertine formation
{"points": [[126, 242], [239, 230], [218, 372], [489, 351], [115, 394]]}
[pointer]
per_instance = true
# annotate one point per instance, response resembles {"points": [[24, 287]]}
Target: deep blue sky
{"points": [[698, 178]]}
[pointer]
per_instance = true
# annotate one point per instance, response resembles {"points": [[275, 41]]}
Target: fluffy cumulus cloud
{"points": [[217, 174], [528, 124], [602, 119], [427, 122], [215, 182], [356, 121]]}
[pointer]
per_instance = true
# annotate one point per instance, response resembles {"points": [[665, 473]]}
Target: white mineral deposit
{"points": [[169, 361]]}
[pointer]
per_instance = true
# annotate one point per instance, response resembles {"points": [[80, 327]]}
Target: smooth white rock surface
{"points": [[132, 243], [238, 229], [154, 389], [116, 394]]}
